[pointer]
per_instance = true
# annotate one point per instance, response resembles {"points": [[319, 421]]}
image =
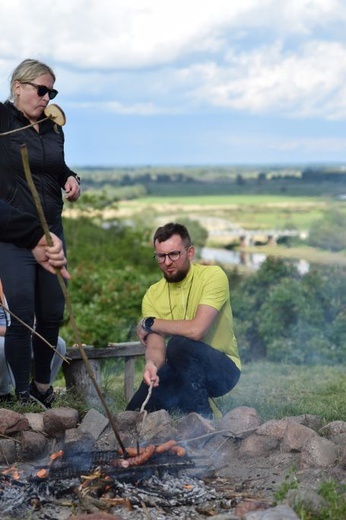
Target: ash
{"points": [[17, 499], [167, 497], [167, 491]]}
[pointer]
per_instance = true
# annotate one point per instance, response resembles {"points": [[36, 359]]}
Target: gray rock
{"points": [[281, 512], [8, 451], [307, 498], [318, 452], [12, 422], [94, 423], [258, 446], [273, 428], [241, 421], [35, 421], [156, 427], [57, 420], [333, 428], [295, 436], [33, 445]]}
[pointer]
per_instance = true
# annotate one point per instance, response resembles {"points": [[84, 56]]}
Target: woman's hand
{"points": [[72, 189], [51, 257]]}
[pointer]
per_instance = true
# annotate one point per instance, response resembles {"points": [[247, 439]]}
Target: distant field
{"points": [[246, 211], [219, 200]]}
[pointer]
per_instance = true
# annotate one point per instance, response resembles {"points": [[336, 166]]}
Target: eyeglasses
{"points": [[173, 256], [42, 90]]}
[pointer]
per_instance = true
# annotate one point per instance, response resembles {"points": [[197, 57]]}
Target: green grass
{"points": [[279, 390], [334, 495], [274, 390]]}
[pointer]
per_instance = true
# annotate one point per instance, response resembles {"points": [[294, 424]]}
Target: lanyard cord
{"points": [[187, 300]]}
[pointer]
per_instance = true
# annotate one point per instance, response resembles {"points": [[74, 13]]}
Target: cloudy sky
{"points": [[179, 82]]}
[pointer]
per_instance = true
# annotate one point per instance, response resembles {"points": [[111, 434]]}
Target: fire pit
{"points": [[108, 463], [97, 481]]}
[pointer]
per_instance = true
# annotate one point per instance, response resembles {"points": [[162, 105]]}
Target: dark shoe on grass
{"points": [[6, 398], [46, 398]]}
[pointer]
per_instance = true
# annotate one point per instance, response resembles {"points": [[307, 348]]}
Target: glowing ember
{"points": [[56, 455], [12, 472], [42, 473]]}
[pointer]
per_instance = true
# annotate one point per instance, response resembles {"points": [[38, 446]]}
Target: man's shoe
{"points": [[46, 398]]}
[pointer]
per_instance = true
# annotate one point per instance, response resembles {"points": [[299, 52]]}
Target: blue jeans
{"points": [[193, 372]]}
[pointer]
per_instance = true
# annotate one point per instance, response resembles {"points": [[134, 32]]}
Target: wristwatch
{"points": [[147, 323]]}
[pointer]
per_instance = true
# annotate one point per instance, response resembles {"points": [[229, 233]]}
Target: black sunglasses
{"points": [[42, 90]]}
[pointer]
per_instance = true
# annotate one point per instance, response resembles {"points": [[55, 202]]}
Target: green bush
{"points": [[329, 232], [284, 316]]}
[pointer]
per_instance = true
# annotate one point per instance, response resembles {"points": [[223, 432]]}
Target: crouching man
{"points": [[187, 328]]}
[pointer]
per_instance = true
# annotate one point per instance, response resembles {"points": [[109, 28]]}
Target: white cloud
{"points": [[155, 56], [273, 79]]}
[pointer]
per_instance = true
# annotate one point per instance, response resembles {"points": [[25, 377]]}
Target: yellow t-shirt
{"points": [[203, 285]]}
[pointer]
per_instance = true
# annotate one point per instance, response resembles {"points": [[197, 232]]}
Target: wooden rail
{"points": [[76, 375]]}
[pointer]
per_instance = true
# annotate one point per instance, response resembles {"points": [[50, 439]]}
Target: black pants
{"points": [[193, 372], [32, 294]]}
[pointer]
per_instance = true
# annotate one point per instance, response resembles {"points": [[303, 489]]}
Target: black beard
{"points": [[176, 277]]}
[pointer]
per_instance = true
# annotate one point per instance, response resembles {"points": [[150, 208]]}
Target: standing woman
{"points": [[32, 293]]}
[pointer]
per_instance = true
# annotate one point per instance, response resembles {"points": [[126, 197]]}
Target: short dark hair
{"points": [[165, 232]]}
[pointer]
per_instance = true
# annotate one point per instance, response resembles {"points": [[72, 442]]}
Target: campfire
{"points": [[176, 468], [148, 476]]}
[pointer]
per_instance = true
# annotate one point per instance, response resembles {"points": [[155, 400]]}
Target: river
{"points": [[251, 260]]}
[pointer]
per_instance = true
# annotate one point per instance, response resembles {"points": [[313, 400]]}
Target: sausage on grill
{"points": [[135, 460], [166, 446], [178, 450]]}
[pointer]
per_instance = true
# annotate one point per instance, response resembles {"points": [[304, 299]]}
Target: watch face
{"points": [[149, 322]]}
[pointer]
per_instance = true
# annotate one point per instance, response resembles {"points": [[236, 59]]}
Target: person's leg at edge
{"points": [[5, 379], [17, 272], [57, 360]]}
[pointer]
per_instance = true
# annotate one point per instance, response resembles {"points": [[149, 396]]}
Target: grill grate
{"points": [[87, 462]]}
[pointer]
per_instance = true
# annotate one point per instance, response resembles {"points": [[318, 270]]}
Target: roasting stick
{"points": [[145, 413], [25, 159], [147, 398], [51, 111]]}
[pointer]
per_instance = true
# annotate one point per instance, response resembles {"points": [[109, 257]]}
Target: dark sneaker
{"points": [[46, 398], [6, 398], [24, 397]]}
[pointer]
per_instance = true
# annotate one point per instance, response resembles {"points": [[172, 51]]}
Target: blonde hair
{"points": [[29, 70]]}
